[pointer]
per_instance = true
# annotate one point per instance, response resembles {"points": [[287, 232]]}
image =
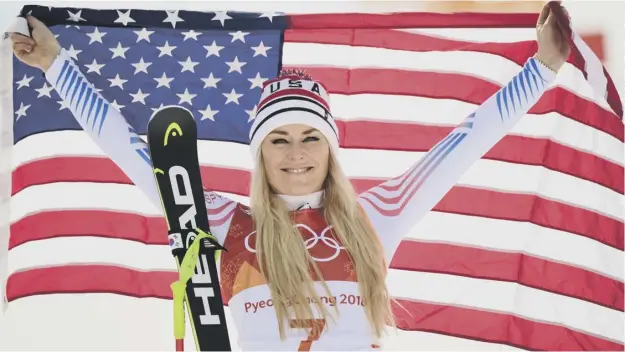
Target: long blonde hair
{"points": [[286, 264]]}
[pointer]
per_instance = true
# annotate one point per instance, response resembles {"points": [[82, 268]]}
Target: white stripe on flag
{"points": [[478, 35], [90, 250]]}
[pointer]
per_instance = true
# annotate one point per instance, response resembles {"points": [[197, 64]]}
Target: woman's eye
{"points": [[311, 139], [279, 141]]}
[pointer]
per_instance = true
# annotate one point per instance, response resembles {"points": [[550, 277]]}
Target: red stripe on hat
{"points": [[294, 91]]}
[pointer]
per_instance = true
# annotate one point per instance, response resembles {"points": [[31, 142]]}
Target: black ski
{"points": [[172, 139]]}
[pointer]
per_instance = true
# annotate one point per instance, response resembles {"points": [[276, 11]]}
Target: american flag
{"points": [[525, 252]]}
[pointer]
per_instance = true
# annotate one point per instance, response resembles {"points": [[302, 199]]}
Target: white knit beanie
{"points": [[293, 98]]}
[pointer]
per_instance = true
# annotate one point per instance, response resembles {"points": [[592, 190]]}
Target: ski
{"points": [[172, 141]]}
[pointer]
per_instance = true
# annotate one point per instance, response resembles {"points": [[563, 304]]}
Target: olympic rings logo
{"points": [[309, 243]]}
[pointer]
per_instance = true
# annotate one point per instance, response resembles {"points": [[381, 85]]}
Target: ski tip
{"points": [[171, 109]]}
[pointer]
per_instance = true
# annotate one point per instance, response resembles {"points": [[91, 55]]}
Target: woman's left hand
{"points": [[552, 35]]}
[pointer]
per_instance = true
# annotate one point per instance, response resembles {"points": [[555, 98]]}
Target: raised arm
{"points": [[398, 204], [105, 125]]}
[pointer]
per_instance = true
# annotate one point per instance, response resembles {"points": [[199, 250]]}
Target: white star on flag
{"points": [[73, 52], [186, 97], [232, 97], [95, 36], [94, 67], [139, 97], [208, 113], [261, 49], [270, 15], [190, 35], [21, 111], [75, 17], [212, 49], [188, 65], [221, 16], [124, 17], [166, 49], [116, 105], [257, 81], [210, 81], [143, 34], [172, 17], [45, 90], [119, 51], [235, 65], [238, 35], [118, 82], [24, 82], [251, 113], [164, 81], [141, 66], [63, 105]]}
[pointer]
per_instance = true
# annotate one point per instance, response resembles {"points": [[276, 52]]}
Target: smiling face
{"points": [[296, 159]]}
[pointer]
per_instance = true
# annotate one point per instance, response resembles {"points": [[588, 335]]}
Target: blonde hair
{"points": [[286, 264]]}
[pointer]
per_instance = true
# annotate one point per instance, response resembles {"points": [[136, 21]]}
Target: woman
{"points": [[306, 263]]}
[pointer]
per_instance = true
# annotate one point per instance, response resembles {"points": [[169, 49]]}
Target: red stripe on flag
{"points": [[439, 85], [524, 269], [448, 320], [412, 20], [496, 328], [90, 279], [150, 230], [460, 200]]}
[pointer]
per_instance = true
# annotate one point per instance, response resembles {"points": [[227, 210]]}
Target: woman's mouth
{"points": [[299, 170]]}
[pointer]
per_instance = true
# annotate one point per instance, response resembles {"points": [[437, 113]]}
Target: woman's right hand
{"points": [[38, 51]]}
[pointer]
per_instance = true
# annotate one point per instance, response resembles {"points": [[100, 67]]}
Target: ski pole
{"points": [[178, 288]]}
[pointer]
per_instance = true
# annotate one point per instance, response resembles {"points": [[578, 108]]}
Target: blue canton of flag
{"points": [[198, 63]]}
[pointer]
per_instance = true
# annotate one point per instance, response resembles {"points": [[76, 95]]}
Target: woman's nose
{"points": [[295, 151]]}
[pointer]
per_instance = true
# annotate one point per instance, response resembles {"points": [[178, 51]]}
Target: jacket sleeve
{"points": [[118, 140], [398, 204]]}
